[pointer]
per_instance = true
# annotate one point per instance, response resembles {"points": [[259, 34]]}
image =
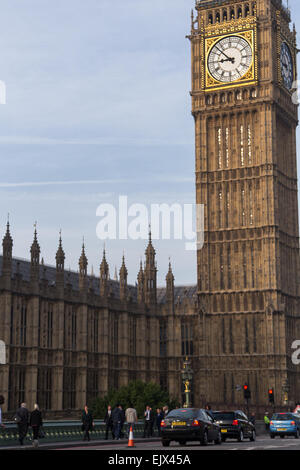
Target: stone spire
{"points": [[104, 276], [83, 265], [60, 264], [170, 285], [123, 280], [35, 258], [140, 284], [7, 245], [150, 274]]}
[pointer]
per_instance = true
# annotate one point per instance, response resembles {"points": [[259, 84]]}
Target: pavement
{"points": [[154, 444]]}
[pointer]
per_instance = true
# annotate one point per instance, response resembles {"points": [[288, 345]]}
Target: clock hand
{"points": [[228, 58]]}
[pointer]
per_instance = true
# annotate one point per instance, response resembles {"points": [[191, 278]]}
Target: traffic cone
{"points": [[130, 440]]}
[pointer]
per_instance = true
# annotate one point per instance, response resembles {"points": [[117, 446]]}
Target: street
{"points": [[262, 443]]}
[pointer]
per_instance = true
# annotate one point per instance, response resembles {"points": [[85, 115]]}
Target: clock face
{"points": [[286, 64], [230, 59]]}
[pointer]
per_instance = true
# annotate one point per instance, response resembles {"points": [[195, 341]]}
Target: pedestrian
{"points": [[267, 421], [131, 418], [165, 411], [109, 423], [208, 410], [36, 422], [2, 401], [117, 421], [148, 421], [87, 423], [122, 414], [252, 418], [159, 418], [22, 420]]}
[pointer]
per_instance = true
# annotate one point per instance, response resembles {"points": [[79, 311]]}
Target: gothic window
{"points": [[44, 388], [245, 266], [247, 10], [223, 336], [23, 325], [249, 136], [210, 18], [252, 267], [232, 14], [227, 208], [242, 145], [222, 270], [227, 147], [132, 337], [239, 13], [229, 267], [69, 389], [219, 143], [254, 335], [73, 330], [246, 337], [163, 338], [231, 336], [187, 345], [218, 17], [220, 200], [243, 207], [17, 380], [224, 15], [92, 385], [251, 205]]}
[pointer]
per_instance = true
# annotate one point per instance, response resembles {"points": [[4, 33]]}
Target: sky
{"points": [[97, 106]]}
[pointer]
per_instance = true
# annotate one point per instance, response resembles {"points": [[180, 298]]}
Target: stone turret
{"points": [[123, 280], [60, 265], [170, 286], [140, 285], [83, 265], [150, 274], [104, 276], [35, 259], [7, 245]]}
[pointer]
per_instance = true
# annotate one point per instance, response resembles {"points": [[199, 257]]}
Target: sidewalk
{"points": [[92, 443]]}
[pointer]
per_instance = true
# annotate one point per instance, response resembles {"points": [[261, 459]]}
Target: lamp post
{"points": [[187, 377]]}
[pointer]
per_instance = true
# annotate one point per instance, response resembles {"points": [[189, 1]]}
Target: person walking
{"points": [[148, 421], [252, 418], [117, 417], [131, 418], [109, 423], [122, 414], [36, 422], [22, 420], [2, 401], [159, 418], [165, 411], [87, 423]]}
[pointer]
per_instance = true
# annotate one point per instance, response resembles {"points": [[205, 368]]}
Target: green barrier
{"points": [[62, 431]]}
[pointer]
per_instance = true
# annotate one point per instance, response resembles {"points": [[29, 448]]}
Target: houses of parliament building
{"points": [[71, 336]]}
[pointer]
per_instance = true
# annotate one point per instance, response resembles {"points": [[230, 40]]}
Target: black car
{"points": [[189, 424], [234, 425]]}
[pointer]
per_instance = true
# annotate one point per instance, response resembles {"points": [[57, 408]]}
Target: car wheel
{"points": [[182, 443], [218, 441], [282, 437], [223, 439], [165, 443], [241, 436], [204, 440], [297, 435], [253, 436]]}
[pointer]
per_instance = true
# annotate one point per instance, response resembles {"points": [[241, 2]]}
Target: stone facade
{"points": [[246, 177], [72, 336]]}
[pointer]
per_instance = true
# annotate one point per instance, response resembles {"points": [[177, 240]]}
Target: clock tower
{"points": [[243, 69]]}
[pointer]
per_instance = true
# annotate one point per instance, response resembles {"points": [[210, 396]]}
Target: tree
{"points": [[137, 393]]}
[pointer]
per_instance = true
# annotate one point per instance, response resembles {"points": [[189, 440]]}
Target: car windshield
{"points": [[183, 414], [219, 416], [282, 417]]}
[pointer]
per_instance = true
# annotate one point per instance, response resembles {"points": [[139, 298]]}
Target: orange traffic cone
{"points": [[130, 440]]}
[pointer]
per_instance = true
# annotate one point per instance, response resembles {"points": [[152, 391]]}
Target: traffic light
{"points": [[247, 393], [271, 395]]}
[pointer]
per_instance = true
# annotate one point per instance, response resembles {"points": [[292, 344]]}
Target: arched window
{"points": [[217, 17], [225, 15], [239, 13], [247, 10], [210, 18], [232, 14]]}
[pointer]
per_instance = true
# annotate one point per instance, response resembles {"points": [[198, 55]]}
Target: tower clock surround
{"points": [[246, 178]]}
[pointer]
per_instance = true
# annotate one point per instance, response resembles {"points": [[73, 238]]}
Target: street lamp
{"points": [[187, 376]]}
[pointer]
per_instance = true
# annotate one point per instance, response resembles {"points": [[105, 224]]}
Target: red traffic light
{"points": [[271, 391], [245, 387]]}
